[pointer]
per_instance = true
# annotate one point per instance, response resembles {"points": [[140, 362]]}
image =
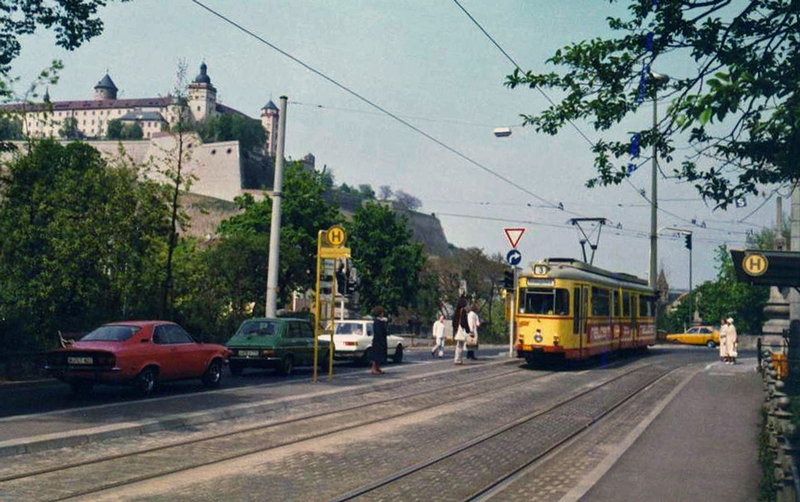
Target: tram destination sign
{"points": [[767, 268]]}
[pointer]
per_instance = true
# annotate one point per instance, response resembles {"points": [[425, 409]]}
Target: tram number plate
{"points": [[80, 360], [248, 353]]}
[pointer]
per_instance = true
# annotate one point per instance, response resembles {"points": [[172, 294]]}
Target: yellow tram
{"points": [[574, 310]]}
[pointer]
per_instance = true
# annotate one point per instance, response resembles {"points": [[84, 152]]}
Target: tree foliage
{"points": [[82, 242], [304, 212], [739, 109], [407, 201], [389, 263], [250, 134], [121, 131]]}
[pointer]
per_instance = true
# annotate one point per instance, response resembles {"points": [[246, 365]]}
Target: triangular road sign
{"points": [[514, 235]]}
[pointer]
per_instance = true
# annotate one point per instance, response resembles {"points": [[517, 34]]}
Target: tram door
{"points": [[581, 309]]}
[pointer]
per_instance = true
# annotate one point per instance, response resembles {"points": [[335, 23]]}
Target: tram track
{"points": [[72, 481], [454, 463]]}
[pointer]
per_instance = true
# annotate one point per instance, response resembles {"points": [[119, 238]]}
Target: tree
{"points": [[250, 133], [69, 129], [81, 240], [10, 127], [366, 191], [765, 238], [385, 192], [407, 201], [388, 262], [304, 212], [739, 109]]}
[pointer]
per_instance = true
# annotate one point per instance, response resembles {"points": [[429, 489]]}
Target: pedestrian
{"points": [[732, 341], [472, 340], [723, 334], [460, 329], [379, 345], [438, 336]]}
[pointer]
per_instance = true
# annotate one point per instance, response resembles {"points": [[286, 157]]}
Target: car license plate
{"points": [[79, 360], [248, 353]]}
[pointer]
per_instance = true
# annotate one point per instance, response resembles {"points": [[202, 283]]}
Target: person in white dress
{"points": [[732, 342], [723, 346], [438, 336], [474, 323]]}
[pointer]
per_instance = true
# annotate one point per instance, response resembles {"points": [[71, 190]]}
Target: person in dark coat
{"points": [[460, 329], [379, 344]]}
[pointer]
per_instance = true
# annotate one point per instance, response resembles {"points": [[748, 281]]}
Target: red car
{"points": [[139, 353]]}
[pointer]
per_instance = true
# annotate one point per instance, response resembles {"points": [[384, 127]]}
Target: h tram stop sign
{"points": [[514, 257], [767, 268], [331, 246]]}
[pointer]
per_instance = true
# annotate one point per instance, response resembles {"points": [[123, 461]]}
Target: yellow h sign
{"points": [[755, 264]]}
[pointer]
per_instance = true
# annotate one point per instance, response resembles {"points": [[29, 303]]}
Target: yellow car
{"points": [[697, 335]]}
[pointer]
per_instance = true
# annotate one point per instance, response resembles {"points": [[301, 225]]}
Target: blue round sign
{"points": [[514, 257]]}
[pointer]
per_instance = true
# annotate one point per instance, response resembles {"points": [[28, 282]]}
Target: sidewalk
{"points": [[702, 446]]}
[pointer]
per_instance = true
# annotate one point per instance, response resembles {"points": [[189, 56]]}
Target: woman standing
{"points": [[460, 329], [732, 341], [379, 345], [723, 337]]}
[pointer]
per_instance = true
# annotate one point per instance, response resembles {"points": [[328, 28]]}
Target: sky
{"points": [[428, 64]]}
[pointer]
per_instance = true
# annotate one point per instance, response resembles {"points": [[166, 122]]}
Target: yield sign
{"points": [[514, 235]]}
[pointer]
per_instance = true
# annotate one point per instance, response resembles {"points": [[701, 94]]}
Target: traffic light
{"points": [[508, 279], [688, 238]]}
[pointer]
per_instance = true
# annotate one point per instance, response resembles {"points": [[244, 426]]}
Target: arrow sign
{"points": [[514, 235], [514, 257]]}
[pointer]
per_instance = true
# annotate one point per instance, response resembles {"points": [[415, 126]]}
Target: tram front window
{"points": [[544, 301]]}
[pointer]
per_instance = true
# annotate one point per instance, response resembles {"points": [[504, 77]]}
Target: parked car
{"points": [[697, 335], [353, 341], [138, 353], [275, 343]]}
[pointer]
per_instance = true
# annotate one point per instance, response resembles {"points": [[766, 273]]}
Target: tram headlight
{"points": [[537, 337], [556, 340]]}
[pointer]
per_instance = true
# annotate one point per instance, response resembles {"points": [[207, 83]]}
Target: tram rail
{"points": [[455, 392]]}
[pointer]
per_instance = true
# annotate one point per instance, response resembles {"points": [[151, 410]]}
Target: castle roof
{"points": [[106, 83], [134, 116], [203, 77], [270, 106], [90, 104]]}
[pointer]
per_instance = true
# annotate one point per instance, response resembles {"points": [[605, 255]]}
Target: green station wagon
{"points": [[279, 344]]}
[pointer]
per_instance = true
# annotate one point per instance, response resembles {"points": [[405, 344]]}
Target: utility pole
{"points": [[794, 295], [275, 227]]}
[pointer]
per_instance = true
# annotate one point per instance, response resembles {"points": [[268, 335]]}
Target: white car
{"points": [[353, 341]]}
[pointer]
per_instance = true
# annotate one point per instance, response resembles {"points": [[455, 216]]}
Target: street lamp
{"points": [[502, 132], [656, 78]]}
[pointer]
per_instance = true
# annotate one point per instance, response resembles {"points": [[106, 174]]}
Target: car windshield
{"points": [[349, 329], [258, 328], [114, 333]]}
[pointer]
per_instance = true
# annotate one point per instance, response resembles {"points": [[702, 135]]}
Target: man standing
{"points": [[438, 335]]}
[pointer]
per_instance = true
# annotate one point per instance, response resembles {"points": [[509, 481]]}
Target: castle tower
{"points": [[269, 119], [202, 96], [105, 89]]}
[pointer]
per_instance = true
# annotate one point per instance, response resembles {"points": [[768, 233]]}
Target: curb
{"points": [[52, 441]]}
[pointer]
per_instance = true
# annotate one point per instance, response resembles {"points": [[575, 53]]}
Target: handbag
{"points": [[460, 336]]}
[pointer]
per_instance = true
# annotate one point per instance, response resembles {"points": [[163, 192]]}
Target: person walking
{"points": [[379, 344], [460, 329], [732, 341], [472, 340], [723, 336], [438, 336]]}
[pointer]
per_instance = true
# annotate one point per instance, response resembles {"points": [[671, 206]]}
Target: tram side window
{"points": [[645, 306], [615, 303], [577, 302], [626, 304], [601, 302], [546, 301]]}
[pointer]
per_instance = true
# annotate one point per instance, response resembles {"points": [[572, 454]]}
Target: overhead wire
{"points": [[372, 104]]}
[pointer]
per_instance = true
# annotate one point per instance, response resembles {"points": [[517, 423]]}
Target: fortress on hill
{"points": [[222, 170]]}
